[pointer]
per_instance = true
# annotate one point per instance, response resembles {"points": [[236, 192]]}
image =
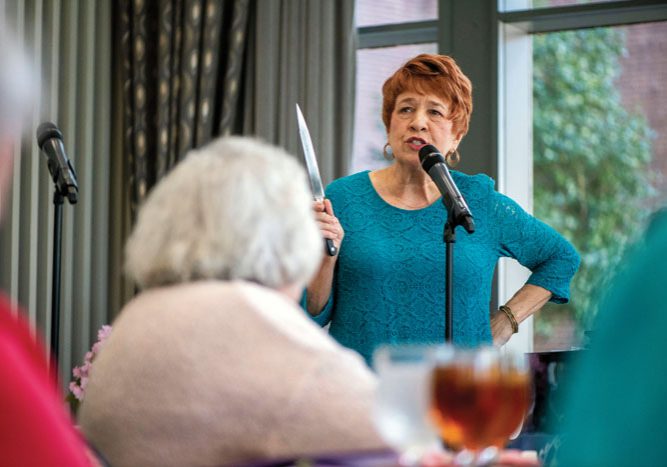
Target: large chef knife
{"points": [[313, 170]]}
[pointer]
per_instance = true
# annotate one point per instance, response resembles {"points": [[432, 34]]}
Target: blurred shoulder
{"points": [[641, 259], [656, 232]]}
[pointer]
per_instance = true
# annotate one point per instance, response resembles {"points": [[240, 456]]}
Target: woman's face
{"points": [[417, 120]]}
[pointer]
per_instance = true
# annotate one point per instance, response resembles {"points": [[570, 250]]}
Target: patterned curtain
{"points": [[181, 64]]}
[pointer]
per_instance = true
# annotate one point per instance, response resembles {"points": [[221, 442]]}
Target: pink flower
{"points": [[103, 333], [81, 373], [102, 336], [76, 390], [85, 368]]}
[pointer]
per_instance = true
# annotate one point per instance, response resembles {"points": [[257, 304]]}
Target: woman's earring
{"points": [[387, 152], [453, 158]]}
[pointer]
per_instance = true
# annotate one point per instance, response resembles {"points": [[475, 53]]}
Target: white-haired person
{"points": [[214, 362], [35, 428]]}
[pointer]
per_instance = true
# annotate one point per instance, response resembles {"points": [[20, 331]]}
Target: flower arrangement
{"points": [[77, 387]]}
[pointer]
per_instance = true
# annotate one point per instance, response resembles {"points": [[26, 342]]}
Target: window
{"points": [[374, 66], [599, 152], [372, 12], [390, 33], [599, 133]]}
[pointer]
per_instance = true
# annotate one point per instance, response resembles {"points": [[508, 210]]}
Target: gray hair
{"points": [[17, 93], [234, 209]]}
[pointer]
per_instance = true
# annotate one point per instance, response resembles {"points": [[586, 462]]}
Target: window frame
{"points": [[588, 15]]}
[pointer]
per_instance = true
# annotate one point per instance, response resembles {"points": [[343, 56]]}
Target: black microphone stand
{"points": [[50, 141], [63, 190]]}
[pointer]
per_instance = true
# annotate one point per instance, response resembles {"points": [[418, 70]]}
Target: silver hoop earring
{"points": [[387, 152]]}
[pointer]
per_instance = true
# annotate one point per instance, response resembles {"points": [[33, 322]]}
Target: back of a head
{"points": [[234, 209]]}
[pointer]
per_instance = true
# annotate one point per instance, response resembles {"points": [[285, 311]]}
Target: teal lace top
{"points": [[389, 283]]}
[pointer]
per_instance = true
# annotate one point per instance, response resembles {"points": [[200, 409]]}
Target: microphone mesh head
{"points": [[429, 156], [46, 131], [426, 151]]}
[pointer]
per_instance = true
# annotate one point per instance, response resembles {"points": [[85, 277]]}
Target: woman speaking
{"points": [[386, 285]]}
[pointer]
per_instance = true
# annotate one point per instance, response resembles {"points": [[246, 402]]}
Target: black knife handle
{"points": [[330, 247]]}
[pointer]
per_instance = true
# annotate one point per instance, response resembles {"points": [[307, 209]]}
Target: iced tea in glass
{"points": [[479, 397]]}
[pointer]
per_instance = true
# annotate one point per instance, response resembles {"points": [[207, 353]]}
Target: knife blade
{"points": [[312, 169]]}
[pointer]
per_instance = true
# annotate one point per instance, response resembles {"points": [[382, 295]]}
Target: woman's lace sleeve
{"points": [[550, 257], [324, 316]]}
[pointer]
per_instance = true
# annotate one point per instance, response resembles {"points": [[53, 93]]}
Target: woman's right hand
{"points": [[328, 222], [319, 288]]}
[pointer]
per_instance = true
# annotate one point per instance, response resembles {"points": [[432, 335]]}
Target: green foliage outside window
{"points": [[591, 155]]}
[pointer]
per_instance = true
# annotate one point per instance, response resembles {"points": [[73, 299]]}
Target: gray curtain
{"points": [[303, 51], [70, 41]]}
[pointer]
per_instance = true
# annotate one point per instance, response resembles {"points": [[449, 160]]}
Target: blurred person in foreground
{"points": [[617, 404], [387, 283], [213, 362], [35, 428]]}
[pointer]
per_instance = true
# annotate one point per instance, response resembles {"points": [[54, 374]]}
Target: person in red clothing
{"points": [[35, 428]]}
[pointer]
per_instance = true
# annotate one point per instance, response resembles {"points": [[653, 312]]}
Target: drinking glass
{"points": [[400, 411], [479, 399]]}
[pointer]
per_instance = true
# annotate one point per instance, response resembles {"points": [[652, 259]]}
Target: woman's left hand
{"points": [[524, 303], [501, 328]]}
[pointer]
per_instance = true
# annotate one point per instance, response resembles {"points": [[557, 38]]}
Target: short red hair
{"points": [[431, 74]]}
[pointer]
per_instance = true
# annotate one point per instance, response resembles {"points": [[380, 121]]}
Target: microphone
{"points": [[50, 141], [434, 164]]}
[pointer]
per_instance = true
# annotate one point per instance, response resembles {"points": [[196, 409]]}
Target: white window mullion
{"points": [[515, 153]]}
